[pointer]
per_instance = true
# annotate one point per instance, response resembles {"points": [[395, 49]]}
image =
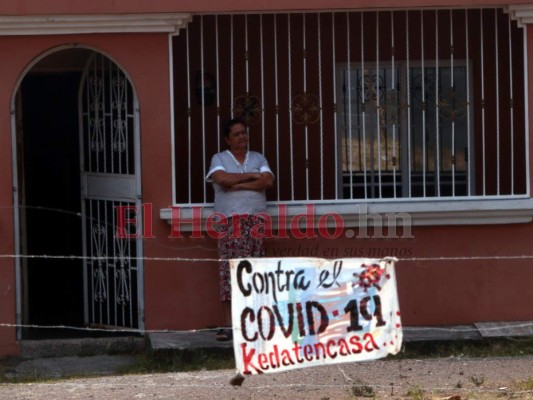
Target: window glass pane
{"points": [[373, 121], [374, 107]]}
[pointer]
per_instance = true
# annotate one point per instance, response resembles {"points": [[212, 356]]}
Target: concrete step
{"points": [[162, 341], [80, 347], [64, 367]]}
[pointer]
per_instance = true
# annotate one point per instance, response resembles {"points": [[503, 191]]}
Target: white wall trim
{"points": [[101, 23], [522, 13], [421, 213]]}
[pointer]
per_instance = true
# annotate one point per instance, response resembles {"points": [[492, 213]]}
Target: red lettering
{"points": [[354, 341], [328, 349], [282, 221], [196, 221], [319, 347], [122, 221], [286, 358], [296, 350], [262, 359], [236, 223], [247, 360], [308, 224], [147, 221], [274, 357], [216, 219], [343, 347], [262, 226], [308, 351], [370, 338], [338, 225]]}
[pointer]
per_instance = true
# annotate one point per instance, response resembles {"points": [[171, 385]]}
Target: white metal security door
{"points": [[110, 184]]}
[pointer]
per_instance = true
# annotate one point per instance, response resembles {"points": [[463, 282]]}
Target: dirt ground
{"points": [[445, 378]]}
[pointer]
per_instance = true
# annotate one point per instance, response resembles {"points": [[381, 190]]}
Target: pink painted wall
{"points": [[26, 7], [7, 270], [150, 79], [432, 293]]}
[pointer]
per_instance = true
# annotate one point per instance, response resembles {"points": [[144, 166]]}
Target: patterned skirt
{"points": [[237, 243]]}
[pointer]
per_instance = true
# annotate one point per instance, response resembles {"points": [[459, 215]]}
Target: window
{"points": [[357, 106], [395, 139]]}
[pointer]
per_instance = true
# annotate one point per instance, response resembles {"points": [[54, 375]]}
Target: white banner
{"points": [[301, 312]]}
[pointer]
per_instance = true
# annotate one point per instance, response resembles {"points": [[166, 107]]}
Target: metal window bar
{"points": [[338, 165], [306, 130], [526, 107], [246, 55], [88, 154], [452, 88], [436, 165], [319, 45], [217, 55], [483, 155], [97, 119], [394, 156], [468, 135], [130, 282], [111, 115], [363, 97], [511, 99], [246, 69], [497, 66], [189, 117], [115, 252], [348, 135], [276, 87], [231, 66], [402, 165], [115, 97], [92, 262], [262, 84], [408, 100], [424, 161], [289, 56], [103, 255], [123, 123], [103, 115], [437, 107], [107, 266], [202, 80], [378, 109], [129, 294]]}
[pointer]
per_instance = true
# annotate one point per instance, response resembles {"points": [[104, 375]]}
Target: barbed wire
{"points": [[503, 325], [111, 330], [211, 259], [205, 259]]}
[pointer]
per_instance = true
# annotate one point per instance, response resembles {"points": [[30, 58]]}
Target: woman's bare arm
{"points": [[264, 182], [229, 179]]}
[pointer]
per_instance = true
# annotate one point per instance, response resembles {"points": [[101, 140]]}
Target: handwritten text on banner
{"points": [[300, 312]]}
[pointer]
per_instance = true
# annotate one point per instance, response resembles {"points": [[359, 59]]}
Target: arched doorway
{"points": [[78, 161]]}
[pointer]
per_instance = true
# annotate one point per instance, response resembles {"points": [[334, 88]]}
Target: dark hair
{"points": [[229, 124]]}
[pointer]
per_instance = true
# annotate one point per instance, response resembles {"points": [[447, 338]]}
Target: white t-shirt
{"points": [[240, 201]]}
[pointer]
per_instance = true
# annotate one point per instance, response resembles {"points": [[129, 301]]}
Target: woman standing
{"points": [[239, 178]]}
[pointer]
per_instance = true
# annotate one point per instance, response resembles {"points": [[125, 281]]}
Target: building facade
{"points": [[394, 129]]}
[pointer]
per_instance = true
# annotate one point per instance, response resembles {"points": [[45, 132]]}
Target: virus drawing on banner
{"points": [[371, 276]]}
